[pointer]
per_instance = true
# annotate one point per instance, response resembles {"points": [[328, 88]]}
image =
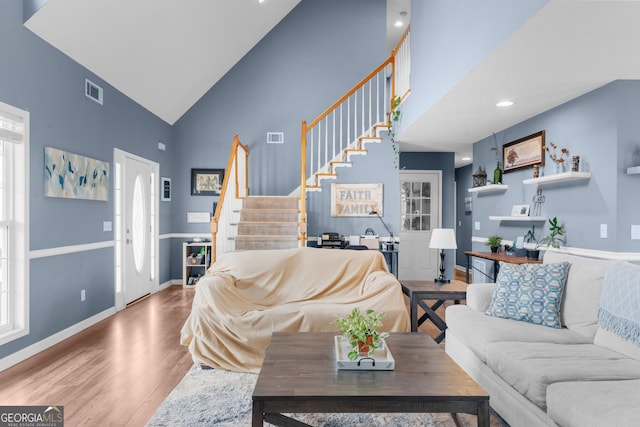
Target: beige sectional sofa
{"points": [[582, 374]]}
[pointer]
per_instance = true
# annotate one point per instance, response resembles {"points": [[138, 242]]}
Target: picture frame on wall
{"points": [[206, 182], [165, 189], [524, 152]]}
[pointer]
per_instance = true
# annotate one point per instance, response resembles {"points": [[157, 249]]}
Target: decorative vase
{"points": [[494, 249], [575, 163], [559, 167], [497, 175], [536, 171]]}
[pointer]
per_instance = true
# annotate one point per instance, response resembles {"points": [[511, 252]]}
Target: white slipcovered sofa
{"points": [[581, 374]]}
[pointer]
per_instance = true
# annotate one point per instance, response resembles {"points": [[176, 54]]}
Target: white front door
{"points": [[420, 202]]}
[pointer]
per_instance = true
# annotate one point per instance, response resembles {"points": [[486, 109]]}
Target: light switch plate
{"points": [[107, 226], [635, 232], [603, 231], [476, 225]]}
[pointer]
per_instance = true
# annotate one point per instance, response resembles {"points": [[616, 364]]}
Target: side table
{"points": [[419, 291]]}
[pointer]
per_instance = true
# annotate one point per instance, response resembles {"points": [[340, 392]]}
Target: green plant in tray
{"points": [[362, 330]]}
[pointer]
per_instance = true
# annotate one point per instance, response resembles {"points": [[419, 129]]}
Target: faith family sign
{"points": [[355, 199]]}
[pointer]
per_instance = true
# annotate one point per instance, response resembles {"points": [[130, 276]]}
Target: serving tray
{"points": [[380, 360]]}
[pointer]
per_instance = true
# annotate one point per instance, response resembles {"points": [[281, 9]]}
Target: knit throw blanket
{"points": [[620, 303]]}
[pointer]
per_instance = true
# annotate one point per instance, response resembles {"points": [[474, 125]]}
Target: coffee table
{"points": [[299, 375], [419, 291]]}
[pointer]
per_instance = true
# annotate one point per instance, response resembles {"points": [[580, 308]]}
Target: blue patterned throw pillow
{"points": [[529, 293]]}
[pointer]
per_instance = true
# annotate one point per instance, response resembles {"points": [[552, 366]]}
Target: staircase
{"points": [[327, 144], [268, 223]]}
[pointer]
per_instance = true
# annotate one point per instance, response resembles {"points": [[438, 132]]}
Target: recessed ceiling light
{"points": [[260, 1], [399, 23], [504, 104], [466, 159]]}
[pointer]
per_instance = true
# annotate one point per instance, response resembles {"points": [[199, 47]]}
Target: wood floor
{"points": [[117, 372]]}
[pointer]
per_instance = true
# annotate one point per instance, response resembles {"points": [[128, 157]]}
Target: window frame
{"points": [[15, 171]]}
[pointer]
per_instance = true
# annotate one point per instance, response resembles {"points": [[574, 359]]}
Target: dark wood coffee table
{"points": [[299, 375]]}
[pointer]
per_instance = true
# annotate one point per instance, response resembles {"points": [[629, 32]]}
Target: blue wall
{"points": [[38, 78], [601, 127], [309, 60], [449, 38], [464, 223]]}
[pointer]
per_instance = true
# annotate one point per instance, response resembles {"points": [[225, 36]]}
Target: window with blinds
{"points": [[14, 182]]}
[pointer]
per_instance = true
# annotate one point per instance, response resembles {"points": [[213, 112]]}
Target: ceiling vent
{"points": [[275, 137], [93, 91]]}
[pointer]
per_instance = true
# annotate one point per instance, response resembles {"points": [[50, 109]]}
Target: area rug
{"points": [[212, 397]]}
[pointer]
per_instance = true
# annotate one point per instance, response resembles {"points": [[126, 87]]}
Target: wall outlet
{"points": [[603, 231], [83, 295]]}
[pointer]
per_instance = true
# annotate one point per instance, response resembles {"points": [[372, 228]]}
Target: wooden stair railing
{"points": [[234, 188], [329, 140]]}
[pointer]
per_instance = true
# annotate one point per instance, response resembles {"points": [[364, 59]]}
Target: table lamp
{"points": [[442, 238]]}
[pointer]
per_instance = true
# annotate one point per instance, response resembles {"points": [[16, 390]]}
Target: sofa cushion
{"points": [[594, 403], [531, 367], [581, 299], [613, 342], [530, 293], [477, 330]]}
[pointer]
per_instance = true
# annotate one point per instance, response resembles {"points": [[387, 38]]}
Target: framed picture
{"points": [[520, 210], [165, 189], [524, 152], [206, 182]]}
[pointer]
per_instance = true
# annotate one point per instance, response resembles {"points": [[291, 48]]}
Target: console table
{"points": [[496, 258]]}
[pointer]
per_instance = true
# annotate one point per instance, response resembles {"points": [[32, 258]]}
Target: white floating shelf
{"points": [[489, 188], [633, 170], [519, 218], [559, 177]]}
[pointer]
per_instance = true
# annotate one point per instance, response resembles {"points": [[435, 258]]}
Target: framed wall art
{"points": [[520, 210], [524, 152], [165, 189], [206, 182], [72, 176]]}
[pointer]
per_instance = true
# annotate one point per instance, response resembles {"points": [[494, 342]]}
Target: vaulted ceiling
{"points": [[166, 54]]}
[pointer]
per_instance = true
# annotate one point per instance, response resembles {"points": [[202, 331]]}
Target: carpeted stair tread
{"points": [[270, 202], [277, 215], [267, 228], [260, 242]]}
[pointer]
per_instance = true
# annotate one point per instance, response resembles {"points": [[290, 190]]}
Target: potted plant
{"points": [[494, 243], [362, 330], [554, 238]]}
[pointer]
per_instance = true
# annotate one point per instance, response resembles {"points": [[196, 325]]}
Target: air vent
{"points": [[93, 91], [275, 137]]}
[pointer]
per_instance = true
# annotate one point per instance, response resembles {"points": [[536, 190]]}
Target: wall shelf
{"points": [[559, 177], [519, 218], [635, 170], [489, 188]]}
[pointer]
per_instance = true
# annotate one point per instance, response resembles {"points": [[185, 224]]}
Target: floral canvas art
{"points": [[73, 176]]}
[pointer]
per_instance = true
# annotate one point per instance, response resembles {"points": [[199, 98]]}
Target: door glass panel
{"points": [[137, 224], [415, 212]]}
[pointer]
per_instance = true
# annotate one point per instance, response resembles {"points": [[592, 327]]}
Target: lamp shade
{"points": [[443, 238]]}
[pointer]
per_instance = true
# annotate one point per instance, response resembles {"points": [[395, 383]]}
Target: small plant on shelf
{"points": [[362, 330], [494, 243], [554, 239]]}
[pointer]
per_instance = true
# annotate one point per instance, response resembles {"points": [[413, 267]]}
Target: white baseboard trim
{"points": [[54, 339], [168, 283]]}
